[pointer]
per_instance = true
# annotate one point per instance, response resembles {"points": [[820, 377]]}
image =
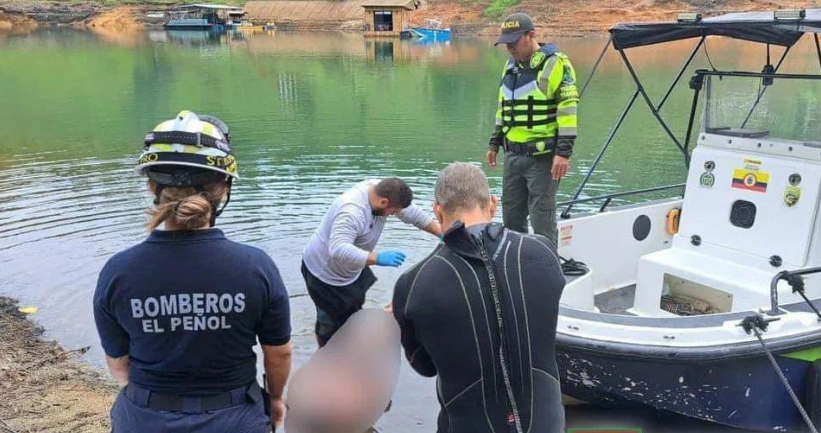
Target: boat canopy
{"points": [[763, 27]]}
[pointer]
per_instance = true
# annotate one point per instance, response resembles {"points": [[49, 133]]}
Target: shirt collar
{"points": [[159, 236]]}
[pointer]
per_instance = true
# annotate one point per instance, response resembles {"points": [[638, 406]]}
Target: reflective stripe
{"points": [[567, 111], [185, 148], [530, 124], [567, 132], [544, 79], [543, 106], [528, 101], [548, 112], [519, 91]]}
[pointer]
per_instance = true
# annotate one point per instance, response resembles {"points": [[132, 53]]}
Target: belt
{"points": [[530, 148], [178, 403]]}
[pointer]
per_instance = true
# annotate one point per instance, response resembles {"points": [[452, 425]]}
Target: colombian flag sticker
{"points": [[752, 180]]}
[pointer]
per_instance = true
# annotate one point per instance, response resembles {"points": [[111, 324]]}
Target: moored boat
{"points": [[432, 29], [697, 304]]}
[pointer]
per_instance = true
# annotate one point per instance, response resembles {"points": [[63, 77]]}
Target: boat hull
{"points": [[742, 391], [439, 34]]}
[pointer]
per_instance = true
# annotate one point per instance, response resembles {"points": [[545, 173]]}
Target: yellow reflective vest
{"points": [[538, 100]]}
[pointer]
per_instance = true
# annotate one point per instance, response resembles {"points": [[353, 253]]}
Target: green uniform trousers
{"points": [[529, 188]]}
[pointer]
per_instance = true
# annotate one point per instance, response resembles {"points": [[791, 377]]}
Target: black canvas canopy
{"points": [[749, 26]]}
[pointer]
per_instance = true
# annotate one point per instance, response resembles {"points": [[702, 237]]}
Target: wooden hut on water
{"points": [[388, 17]]}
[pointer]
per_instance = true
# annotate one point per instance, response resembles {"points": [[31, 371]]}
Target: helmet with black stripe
{"points": [[189, 151]]}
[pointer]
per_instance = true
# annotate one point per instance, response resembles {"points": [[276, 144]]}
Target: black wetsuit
{"points": [[493, 377]]}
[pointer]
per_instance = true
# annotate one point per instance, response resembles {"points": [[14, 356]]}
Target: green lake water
{"points": [[311, 114]]}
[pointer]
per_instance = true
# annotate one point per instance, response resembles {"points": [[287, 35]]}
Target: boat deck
{"points": [[616, 301]]}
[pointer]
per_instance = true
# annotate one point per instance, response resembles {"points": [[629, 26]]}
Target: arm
{"points": [[113, 337], [118, 368], [420, 219], [497, 138], [563, 77], [277, 363], [434, 228], [414, 351], [274, 333], [347, 225]]}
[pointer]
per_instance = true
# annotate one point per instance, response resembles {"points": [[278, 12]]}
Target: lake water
{"points": [[311, 114]]}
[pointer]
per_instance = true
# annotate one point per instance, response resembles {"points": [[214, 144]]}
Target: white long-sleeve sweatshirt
{"points": [[339, 248]]}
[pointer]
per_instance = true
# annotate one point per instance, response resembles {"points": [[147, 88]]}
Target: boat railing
{"points": [[795, 279], [608, 198]]}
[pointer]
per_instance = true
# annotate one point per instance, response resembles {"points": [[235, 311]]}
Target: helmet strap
{"points": [[217, 213], [158, 193]]}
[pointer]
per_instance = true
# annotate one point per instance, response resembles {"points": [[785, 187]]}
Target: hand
{"points": [[560, 165], [388, 308], [277, 411], [491, 157], [390, 258]]}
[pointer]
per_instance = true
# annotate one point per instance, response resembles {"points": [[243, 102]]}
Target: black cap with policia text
{"points": [[514, 27]]}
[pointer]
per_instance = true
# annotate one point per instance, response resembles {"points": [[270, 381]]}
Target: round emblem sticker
{"points": [[791, 195], [707, 179], [749, 180]]}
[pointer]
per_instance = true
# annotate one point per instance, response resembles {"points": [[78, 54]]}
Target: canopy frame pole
{"points": [[596, 65], [652, 108], [817, 48], [681, 72], [761, 92], [639, 90], [610, 137]]}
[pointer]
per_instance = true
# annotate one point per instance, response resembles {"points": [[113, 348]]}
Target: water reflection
{"points": [[311, 114]]}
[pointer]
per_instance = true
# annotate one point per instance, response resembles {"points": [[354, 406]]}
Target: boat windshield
{"points": [[754, 107]]}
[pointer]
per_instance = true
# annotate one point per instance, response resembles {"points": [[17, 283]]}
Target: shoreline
{"points": [[560, 18], [46, 388]]}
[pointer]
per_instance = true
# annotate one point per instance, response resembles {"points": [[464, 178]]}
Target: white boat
{"points": [[683, 300]]}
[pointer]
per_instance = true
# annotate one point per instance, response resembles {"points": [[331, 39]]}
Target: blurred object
{"points": [[28, 310], [346, 385]]}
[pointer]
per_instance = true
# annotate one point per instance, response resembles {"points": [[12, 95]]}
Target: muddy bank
{"points": [[25, 14], [554, 18], [44, 387]]}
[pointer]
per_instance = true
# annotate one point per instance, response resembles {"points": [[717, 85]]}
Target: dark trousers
{"points": [[528, 189], [335, 304], [129, 417]]}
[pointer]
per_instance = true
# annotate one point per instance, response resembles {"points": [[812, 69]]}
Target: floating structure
{"points": [[204, 17], [388, 17]]}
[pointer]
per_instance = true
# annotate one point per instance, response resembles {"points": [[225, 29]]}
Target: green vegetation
{"points": [[498, 8]]}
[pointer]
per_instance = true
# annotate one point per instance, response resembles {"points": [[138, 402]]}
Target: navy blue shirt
{"points": [[187, 308]]}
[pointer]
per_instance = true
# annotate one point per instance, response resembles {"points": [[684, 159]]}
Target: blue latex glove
{"points": [[391, 258]]}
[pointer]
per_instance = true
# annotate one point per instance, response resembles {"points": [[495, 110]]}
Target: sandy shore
{"points": [[45, 388], [554, 18]]}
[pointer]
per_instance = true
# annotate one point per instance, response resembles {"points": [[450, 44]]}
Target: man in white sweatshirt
{"points": [[336, 263]]}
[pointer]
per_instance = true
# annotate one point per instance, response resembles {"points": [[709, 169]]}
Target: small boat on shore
{"points": [[432, 29], [697, 304]]}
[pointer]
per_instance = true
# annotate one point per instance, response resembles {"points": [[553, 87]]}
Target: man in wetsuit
{"points": [[480, 312]]}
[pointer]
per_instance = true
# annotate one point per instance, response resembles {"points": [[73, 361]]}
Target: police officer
{"points": [[179, 313], [535, 125]]}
